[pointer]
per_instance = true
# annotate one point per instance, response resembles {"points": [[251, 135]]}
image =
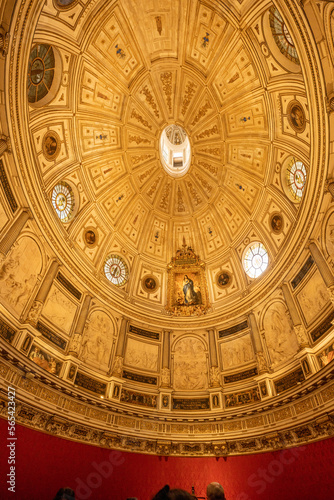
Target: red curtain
{"points": [[44, 463]]}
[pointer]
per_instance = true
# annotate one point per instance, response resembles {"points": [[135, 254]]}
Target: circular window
{"points": [[255, 260], [116, 270], [282, 36], [175, 151], [65, 4], [41, 72], [63, 201], [296, 178]]}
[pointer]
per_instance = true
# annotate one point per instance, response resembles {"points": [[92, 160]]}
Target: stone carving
{"points": [[59, 309], [313, 297], [150, 100], [214, 376], [140, 119], [261, 361], [189, 94], [3, 216], [141, 355], [165, 377], [280, 337], [237, 352], [190, 365], [301, 335], [18, 273], [330, 235], [97, 339], [166, 79], [75, 344], [118, 366], [35, 311]]}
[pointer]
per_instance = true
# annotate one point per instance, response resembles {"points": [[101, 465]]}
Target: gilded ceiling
{"points": [[159, 289], [123, 77]]}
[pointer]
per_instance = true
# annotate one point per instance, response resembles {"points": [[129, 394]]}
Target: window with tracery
{"points": [[282, 36], [296, 178], [63, 201], [116, 270], [255, 260]]}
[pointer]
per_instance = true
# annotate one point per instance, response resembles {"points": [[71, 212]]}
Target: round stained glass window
{"points": [[116, 270], [63, 201], [296, 178], [282, 36], [41, 72], [255, 260]]}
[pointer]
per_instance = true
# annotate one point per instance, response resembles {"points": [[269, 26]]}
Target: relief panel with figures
{"points": [[97, 340], [313, 298], [59, 309], [279, 334], [18, 273], [329, 235], [142, 355], [190, 365], [237, 352], [3, 216]]}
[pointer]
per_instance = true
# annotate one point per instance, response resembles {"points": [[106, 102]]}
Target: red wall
{"points": [[45, 463]]}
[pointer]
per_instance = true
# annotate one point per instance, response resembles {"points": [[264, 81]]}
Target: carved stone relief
{"points": [[279, 334], [237, 352], [142, 355], [313, 297], [97, 340], [18, 273], [190, 365], [59, 309], [330, 235], [3, 217]]}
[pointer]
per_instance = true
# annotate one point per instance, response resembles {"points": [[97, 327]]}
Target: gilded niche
{"points": [[187, 291]]}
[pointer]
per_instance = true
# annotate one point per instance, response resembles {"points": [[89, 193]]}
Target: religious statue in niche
{"points": [[187, 291], [71, 372]]}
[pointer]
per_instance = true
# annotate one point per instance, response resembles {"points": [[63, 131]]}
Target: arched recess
{"points": [[97, 342], [19, 273], [279, 335], [190, 366]]}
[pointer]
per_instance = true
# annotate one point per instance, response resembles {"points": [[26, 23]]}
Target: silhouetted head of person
{"points": [[167, 494], [65, 494], [215, 491]]}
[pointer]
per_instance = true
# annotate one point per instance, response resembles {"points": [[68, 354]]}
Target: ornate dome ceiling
{"points": [[150, 282], [125, 74]]}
